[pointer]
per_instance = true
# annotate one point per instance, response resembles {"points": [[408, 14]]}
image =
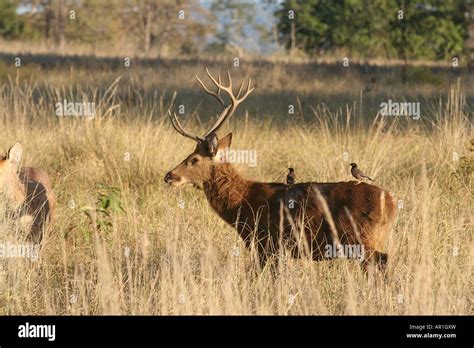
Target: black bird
{"points": [[290, 178], [357, 173]]}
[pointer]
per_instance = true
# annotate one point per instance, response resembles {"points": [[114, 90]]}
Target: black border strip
{"points": [[195, 330]]}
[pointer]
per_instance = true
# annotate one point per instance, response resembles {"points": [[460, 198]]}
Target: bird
{"points": [[290, 178], [357, 173]]}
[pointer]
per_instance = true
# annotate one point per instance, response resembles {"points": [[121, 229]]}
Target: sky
{"points": [[263, 12]]}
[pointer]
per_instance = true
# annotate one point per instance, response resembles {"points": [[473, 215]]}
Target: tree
{"points": [[234, 17], [428, 31], [165, 24], [306, 25], [11, 26], [375, 28], [47, 17], [168, 25]]}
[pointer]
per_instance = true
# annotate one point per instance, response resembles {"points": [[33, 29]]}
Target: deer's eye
{"points": [[194, 161]]}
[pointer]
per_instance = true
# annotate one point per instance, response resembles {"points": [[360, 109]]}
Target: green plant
{"points": [[108, 203]]}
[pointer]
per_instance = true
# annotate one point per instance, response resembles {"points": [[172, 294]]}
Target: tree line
{"points": [[405, 29]]}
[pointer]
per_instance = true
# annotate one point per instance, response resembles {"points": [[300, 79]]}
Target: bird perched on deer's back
{"points": [[290, 178], [357, 173]]}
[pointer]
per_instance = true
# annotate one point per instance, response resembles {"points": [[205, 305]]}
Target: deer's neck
{"points": [[13, 190], [226, 191]]}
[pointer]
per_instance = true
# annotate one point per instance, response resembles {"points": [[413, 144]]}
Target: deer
{"points": [[307, 219], [27, 194]]}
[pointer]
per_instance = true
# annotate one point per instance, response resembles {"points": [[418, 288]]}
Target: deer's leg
{"points": [[380, 259], [267, 254], [269, 261], [36, 232]]}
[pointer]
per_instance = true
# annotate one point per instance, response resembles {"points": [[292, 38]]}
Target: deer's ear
{"points": [[225, 142], [15, 153]]}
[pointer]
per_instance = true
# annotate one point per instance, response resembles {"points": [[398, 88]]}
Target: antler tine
{"points": [[240, 88], [177, 126], [230, 84], [208, 91], [235, 100], [218, 87], [219, 120], [249, 90], [213, 79]]}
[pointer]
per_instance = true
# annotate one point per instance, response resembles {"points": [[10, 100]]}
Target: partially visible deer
{"points": [[305, 218], [27, 193]]}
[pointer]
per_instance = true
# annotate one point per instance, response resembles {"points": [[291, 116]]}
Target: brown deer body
{"points": [[304, 218], [27, 193]]}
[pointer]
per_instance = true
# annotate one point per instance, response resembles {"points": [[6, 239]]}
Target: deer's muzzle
{"points": [[170, 177]]}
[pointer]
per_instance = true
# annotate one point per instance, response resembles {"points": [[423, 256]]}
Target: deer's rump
{"points": [[38, 175], [39, 203]]}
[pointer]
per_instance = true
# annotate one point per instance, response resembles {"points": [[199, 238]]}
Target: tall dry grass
{"points": [[167, 252]]}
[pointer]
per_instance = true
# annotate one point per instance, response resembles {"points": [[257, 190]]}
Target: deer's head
{"points": [[10, 163], [196, 168]]}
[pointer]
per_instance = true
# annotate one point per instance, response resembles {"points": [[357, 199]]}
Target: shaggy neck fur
{"points": [[226, 190]]}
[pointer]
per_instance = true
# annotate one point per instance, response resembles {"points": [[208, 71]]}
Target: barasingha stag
{"points": [[316, 220]]}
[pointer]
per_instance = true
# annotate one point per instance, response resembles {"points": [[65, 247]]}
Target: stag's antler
{"points": [[180, 130], [228, 109], [234, 100]]}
